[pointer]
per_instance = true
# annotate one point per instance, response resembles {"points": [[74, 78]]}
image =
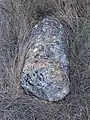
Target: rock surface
{"points": [[45, 71]]}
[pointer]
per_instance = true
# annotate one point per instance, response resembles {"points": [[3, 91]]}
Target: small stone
{"points": [[47, 78]]}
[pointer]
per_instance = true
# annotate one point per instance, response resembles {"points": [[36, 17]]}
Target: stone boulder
{"points": [[45, 72]]}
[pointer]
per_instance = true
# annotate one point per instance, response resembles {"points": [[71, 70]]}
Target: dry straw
{"points": [[17, 17]]}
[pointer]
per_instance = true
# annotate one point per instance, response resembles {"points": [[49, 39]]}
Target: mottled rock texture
{"points": [[45, 72]]}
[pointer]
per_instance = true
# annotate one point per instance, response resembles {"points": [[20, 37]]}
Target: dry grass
{"points": [[17, 17]]}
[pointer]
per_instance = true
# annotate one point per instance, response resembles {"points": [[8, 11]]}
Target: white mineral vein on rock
{"points": [[45, 72]]}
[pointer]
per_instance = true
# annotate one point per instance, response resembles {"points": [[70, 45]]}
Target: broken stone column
{"points": [[45, 72]]}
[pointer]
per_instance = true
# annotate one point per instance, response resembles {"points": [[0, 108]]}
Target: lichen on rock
{"points": [[45, 72]]}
